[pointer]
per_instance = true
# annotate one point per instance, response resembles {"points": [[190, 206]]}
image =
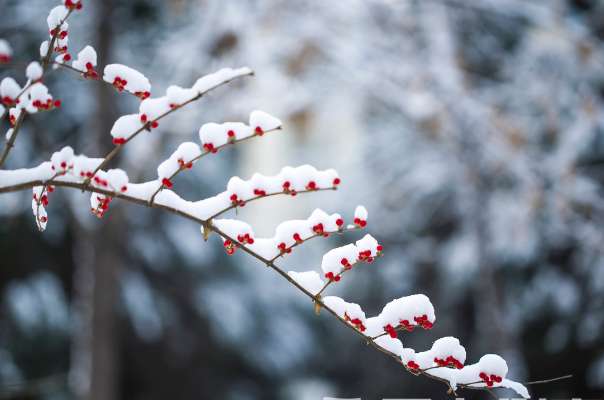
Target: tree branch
{"points": [[13, 137], [268, 263]]}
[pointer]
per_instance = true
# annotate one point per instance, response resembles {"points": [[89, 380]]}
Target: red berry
{"points": [[166, 182], [231, 133], [143, 118], [312, 185], [329, 275], [336, 181], [154, 125], [339, 222], [57, 103], [124, 188], [286, 185], [259, 131], [234, 197], [337, 279], [297, 237], [250, 240], [66, 57], [363, 224]]}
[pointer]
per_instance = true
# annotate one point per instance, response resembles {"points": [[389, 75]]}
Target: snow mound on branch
{"points": [[210, 81], [135, 81], [309, 280]]}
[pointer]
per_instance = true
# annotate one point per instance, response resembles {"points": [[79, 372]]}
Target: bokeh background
{"points": [[473, 131]]}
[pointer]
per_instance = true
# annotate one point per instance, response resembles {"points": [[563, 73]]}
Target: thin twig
{"points": [[90, 77], [329, 282], [548, 380], [230, 142], [13, 137]]}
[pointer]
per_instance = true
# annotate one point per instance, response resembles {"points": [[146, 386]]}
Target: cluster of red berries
{"points": [[236, 201], [90, 71], [230, 247], [119, 141], [103, 206], [390, 330], [46, 106], [181, 162], [287, 190], [119, 84], [73, 6], [360, 223], [86, 174], [405, 324], [258, 131], [346, 264], [64, 166], [166, 182], [297, 238], [7, 100], [66, 57], [413, 365], [245, 239], [144, 120], [62, 50], [355, 321], [423, 322], [449, 361], [142, 95], [284, 248], [331, 277], [318, 229], [490, 380], [259, 192], [365, 256], [44, 199], [61, 34], [209, 147], [100, 182]]}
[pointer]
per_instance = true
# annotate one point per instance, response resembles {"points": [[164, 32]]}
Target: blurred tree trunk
{"points": [[97, 341]]}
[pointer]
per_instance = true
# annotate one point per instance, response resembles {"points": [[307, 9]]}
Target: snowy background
{"points": [[473, 132]]}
